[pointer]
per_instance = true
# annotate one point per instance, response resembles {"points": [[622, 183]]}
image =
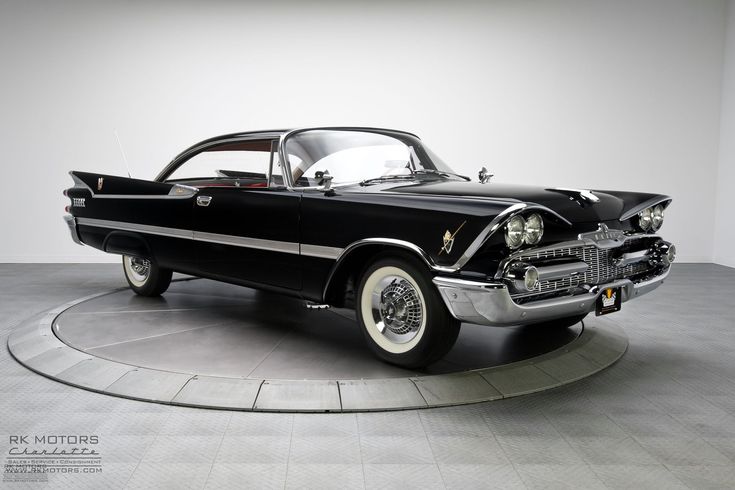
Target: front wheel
{"points": [[402, 315], [145, 277]]}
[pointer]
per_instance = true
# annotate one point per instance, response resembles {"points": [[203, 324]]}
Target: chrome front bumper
{"points": [[491, 304], [71, 222]]}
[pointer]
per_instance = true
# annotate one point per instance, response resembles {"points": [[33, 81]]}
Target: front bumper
{"points": [[71, 222], [491, 304]]}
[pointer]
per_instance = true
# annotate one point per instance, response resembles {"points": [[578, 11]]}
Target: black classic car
{"points": [[371, 219]]}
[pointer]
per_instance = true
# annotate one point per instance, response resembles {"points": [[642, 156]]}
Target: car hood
{"points": [[568, 204]]}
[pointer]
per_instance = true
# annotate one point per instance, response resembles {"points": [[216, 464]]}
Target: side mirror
{"points": [[484, 176], [323, 178]]}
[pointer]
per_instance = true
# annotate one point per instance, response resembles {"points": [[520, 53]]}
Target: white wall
{"points": [[725, 225], [586, 93]]}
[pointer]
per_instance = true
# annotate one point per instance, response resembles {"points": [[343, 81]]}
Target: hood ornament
{"points": [[484, 176]]}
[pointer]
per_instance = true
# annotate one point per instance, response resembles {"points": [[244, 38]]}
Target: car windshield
{"points": [[359, 156]]}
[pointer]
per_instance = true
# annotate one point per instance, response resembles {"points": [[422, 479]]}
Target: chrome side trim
{"points": [[125, 226], [495, 224], [321, 252], [491, 304], [237, 241], [646, 204], [246, 242], [71, 222]]}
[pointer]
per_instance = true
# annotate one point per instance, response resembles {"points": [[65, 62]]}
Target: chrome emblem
{"points": [[448, 240], [100, 183], [77, 202], [581, 194], [604, 237]]}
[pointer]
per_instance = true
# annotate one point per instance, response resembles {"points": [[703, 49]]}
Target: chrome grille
{"points": [[601, 268]]}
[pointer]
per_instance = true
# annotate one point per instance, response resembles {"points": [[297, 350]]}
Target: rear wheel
{"points": [[403, 318], [145, 277]]}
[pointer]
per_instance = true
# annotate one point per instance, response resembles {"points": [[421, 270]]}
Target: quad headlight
{"points": [[519, 231], [645, 219], [657, 217], [534, 229], [514, 231], [651, 219]]}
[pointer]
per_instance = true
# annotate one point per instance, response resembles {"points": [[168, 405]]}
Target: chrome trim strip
{"points": [[632, 258], [646, 204], [495, 224], [558, 271], [71, 222], [237, 241], [246, 242], [321, 252], [491, 304], [126, 226]]}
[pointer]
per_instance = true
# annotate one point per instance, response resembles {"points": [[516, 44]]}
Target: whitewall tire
{"points": [[145, 277], [402, 316]]}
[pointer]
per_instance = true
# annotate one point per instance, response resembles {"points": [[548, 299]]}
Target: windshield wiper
{"points": [[440, 172], [387, 177]]}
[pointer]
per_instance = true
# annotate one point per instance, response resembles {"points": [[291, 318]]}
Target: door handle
{"points": [[204, 201]]}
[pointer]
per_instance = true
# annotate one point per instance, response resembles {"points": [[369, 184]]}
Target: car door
{"points": [[245, 222]]}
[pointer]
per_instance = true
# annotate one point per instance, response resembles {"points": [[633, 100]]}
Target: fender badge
{"points": [[100, 183], [448, 239]]}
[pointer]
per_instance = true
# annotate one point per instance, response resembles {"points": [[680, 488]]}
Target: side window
{"points": [[249, 160]]}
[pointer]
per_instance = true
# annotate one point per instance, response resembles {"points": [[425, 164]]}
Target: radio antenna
{"points": [[122, 152]]}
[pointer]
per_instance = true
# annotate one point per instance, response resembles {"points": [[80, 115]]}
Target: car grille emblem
{"points": [[604, 236], [78, 202], [448, 240]]}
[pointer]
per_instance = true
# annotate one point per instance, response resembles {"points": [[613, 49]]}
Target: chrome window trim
{"points": [[645, 204], [288, 177], [185, 155]]}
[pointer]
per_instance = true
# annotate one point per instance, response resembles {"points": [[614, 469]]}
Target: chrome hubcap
{"points": [[397, 309], [140, 268]]}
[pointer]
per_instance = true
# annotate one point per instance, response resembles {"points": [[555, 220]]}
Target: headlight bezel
{"points": [[657, 217], [519, 233], [533, 237], [515, 231], [645, 219]]}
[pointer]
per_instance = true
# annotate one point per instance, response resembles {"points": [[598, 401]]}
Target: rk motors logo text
{"points": [[54, 439], [31, 458]]}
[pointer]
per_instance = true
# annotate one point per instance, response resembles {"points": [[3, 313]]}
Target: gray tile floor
{"points": [[662, 417]]}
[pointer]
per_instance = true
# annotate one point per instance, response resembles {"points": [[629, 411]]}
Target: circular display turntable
{"points": [[213, 345]]}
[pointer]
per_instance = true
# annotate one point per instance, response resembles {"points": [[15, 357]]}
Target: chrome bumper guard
{"points": [[486, 303], [71, 222]]}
